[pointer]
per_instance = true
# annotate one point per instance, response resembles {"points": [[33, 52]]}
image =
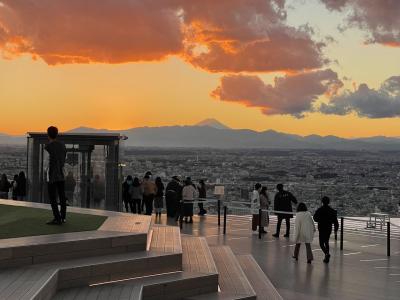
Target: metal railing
{"points": [[259, 212]]}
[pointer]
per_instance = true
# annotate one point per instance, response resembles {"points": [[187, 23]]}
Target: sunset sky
{"points": [[298, 66]]}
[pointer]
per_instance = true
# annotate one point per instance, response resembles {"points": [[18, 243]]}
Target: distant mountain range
{"points": [[211, 133]]}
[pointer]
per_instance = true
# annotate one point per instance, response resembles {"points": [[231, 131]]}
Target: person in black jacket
{"points": [[173, 194], [55, 176], [283, 202], [21, 186], [326, 216], [5, 186], [202, 189], [126, 193]]}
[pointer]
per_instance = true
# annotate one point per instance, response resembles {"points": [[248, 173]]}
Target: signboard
{"points": [[219, 190]]}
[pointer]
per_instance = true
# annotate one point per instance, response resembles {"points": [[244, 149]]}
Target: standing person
{"points": [[304, 231], [149, 191], [126, 193], [137, 193], [255, 200], [264, 206], [99, 191], [188, 196], [4, 187], [14, 187], [21, 186], [159, 197], [70, 185], [173, 194], [202, 189], [283, 202], [326, 216], [55, 176]]}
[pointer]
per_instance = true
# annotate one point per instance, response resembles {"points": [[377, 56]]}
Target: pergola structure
{"points": [[92, 168]]}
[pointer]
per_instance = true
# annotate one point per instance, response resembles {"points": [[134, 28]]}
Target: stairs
{"points": [[121, 262]]}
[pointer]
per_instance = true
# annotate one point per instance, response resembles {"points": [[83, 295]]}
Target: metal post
{"points": [[259, 223], [225, 211], [341, 233], [181, 215], [219, 212], [388, 239]]}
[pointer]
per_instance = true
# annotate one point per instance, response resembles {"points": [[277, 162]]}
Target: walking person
{"points": [[136, 193], [188, 196], [149, 191], [126, 193], [4, 187], [255, 200], [264, 206], [55, 176], [21, 186], [283, 202], [202, 189], [173, 194], [304, 232], [326, 217], [159, 197], [14, 186]]}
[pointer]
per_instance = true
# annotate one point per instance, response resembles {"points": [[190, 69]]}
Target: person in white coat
{"points": [[304, 231]]}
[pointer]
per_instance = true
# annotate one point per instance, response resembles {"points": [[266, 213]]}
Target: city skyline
{"points": [[303, 67]]}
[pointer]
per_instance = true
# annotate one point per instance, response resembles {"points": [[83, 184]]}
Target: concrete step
{"points": [[233, 282], [27, 251], [261, 284], [198, 276], [44, 280]]}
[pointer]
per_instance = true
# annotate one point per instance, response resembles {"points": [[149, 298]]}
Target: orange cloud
{"points": [[290, 95], [217, 36]]}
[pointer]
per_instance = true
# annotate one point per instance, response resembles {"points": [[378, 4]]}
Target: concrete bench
{"points": [[261, 284], [27, 251]]}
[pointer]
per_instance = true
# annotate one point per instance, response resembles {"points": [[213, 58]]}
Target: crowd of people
{"points": [[14, 189], [325, 216], [146, 196]]}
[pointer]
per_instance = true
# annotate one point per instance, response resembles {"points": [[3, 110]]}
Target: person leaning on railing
{"points": [[283, 202]]}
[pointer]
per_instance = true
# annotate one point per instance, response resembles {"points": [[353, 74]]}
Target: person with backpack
{"points": [[326, 217]]}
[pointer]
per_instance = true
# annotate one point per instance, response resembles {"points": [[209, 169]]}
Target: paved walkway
{"points": [[361, 271]]}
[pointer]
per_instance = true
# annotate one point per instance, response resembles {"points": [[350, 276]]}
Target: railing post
{"points": [[388, 239], [225, 211], [259, 223], [181, 214], [219, 212], [341, 233]]}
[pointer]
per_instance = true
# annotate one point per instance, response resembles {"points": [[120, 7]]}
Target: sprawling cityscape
{"points": [[357, 182]]}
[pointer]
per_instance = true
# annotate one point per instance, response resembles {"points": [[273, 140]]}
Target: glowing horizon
{"points": [[266, 73]]}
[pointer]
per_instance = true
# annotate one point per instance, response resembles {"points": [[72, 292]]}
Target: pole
{"points": [[341, 233], [181, 215], [219, 212], [225, 211], [259, 223], [388, 239]]}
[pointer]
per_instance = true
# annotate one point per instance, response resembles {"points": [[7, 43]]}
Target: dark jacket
{"points": [[126, 195], [326, 216], [21, 187], [5, 186], [283, 202], [202, 191], [57, 153], [174, 190]]}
